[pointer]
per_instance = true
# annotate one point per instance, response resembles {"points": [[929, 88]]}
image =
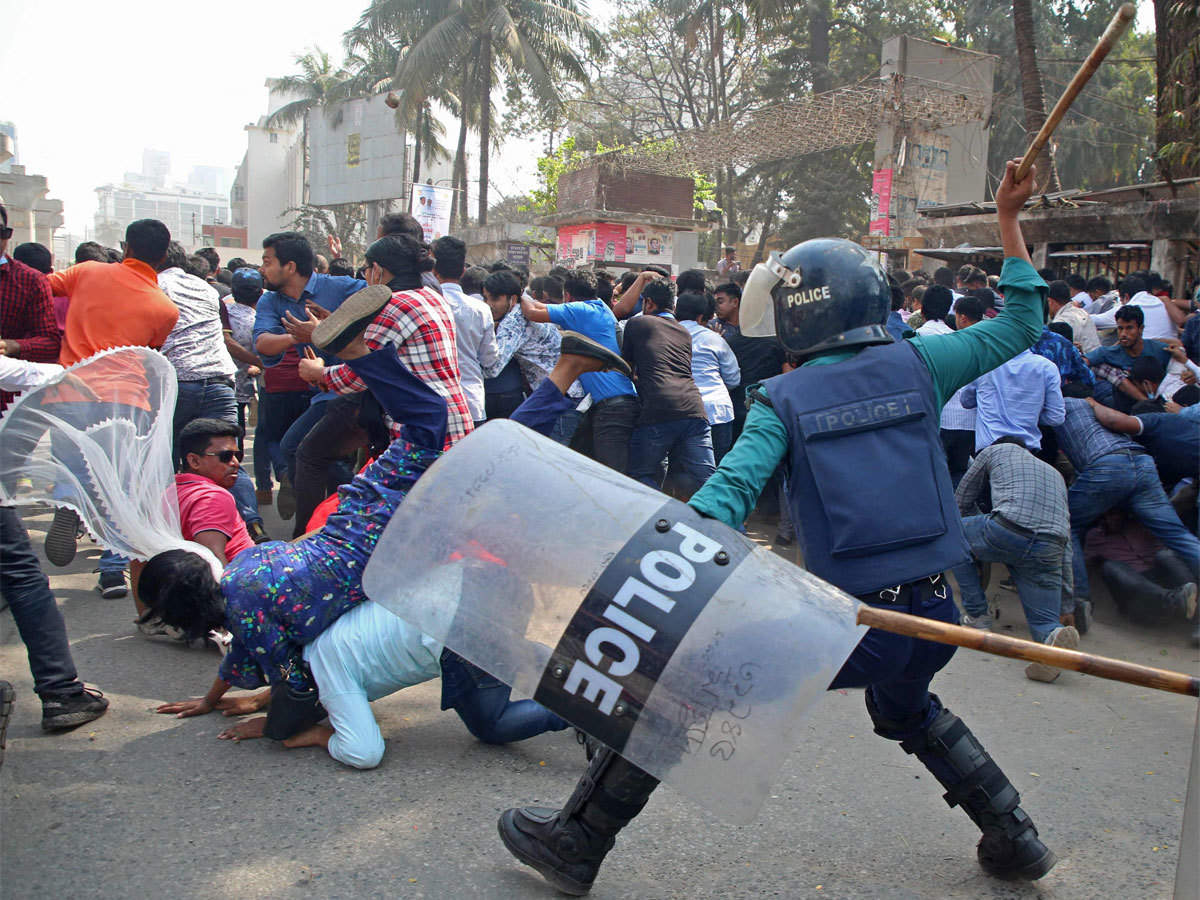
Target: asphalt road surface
{"points": [[141, 805]]}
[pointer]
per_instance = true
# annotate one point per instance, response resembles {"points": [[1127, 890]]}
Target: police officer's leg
{"points": [[567, 846], [902, 709]]}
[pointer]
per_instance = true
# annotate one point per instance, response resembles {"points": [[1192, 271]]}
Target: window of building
{"points": [[274, 137]]}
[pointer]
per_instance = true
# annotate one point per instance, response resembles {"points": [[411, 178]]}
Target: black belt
{"points": [[614, 399], [893, 595], [226, 380], [1026, 532]]}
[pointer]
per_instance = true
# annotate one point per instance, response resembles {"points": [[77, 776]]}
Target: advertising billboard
{"points": [[430, 205], [356, 153]]}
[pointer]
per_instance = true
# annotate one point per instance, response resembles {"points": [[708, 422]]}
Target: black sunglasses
{"points": [[226, 456]]}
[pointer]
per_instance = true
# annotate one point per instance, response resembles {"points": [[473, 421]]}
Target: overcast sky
{"points": [[90, 85]]}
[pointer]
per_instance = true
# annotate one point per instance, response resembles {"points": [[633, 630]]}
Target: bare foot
{"points": [[244, 731]]}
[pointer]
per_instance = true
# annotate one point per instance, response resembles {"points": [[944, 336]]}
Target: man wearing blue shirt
{"points": [[1119, 359], [292, 284], [614, 409], [1013, 399]]}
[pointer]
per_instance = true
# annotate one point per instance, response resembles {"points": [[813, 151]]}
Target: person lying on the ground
{"points": [[370, 653], [276, 598]]}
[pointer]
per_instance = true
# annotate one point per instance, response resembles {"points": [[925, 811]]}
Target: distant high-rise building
{"points": [[156, 165], [185, 212], [8, 146]]}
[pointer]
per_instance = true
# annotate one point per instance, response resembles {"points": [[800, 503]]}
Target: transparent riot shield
{"points": [[669, 637]]}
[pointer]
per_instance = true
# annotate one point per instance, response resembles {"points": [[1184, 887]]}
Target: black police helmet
{"points": [[822, 295]]}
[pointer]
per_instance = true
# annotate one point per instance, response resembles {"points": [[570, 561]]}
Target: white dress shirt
{"points": [[475, 335], [1081, 324], [1158, 322]]}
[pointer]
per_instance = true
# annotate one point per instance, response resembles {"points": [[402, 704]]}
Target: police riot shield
{"points": [[669, 637]]}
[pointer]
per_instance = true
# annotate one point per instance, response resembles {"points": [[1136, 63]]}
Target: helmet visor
{"points": [[757, 310]]}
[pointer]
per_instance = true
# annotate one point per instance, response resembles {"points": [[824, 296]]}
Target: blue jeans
{"points": [[1125, 478], [244, 498], [1036, 566], [40, 622], [688, 443], [722, 439], [296, 432], [565, 427], [482, 702], [207, 399], [277, 412]]}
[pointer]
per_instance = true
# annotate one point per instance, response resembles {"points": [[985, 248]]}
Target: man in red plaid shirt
{"points": [[416, 320], [28, 329]]}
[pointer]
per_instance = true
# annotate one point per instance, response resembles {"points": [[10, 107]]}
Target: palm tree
{"points": [[1031, 86], [318, 84], [483, 40]]}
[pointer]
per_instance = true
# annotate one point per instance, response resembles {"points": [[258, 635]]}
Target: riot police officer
{"points": [[860, 410]]}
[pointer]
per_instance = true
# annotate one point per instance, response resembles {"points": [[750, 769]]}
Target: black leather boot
{"points": [[567, 846], [1009, 848]]}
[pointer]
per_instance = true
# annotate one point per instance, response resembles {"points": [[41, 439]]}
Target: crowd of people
{"points": [[1080, 452]]}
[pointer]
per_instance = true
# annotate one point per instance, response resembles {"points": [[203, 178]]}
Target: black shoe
{"points": [[347, 322], [112, 585], [60, 539], [576, 344], [7, 698], [784, 541], [1023, 858], [285, 500], [1083, 616], [1182, 600], [60, 713], [258, 534], [559, 851]]}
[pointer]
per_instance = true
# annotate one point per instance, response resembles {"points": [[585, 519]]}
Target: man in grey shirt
{"points": [[1027, 530], [474, 333]]}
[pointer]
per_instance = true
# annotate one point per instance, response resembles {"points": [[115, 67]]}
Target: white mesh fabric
{"points": [[97, 439]]}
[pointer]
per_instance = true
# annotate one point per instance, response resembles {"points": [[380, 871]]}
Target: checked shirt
{"points": [[27, 315], [421, 326]]}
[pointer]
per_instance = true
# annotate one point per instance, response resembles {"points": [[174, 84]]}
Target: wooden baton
{"points": [[1116, 28], [975, 639]]}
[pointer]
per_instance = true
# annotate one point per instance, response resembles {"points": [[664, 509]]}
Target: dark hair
{"points": [[449, 257], [552, 287], [211, 257], [944, 276], [1147, 368], [537, 287], [986, 296], [195, 436], [729, 288], [1047, 274], [90, 251], [402, 255], [661, 293], [908, 286], [691, 306], [147, 239], [401, 223], [1059, 291], [341, 266], [114, 255], [1076, 282], [901, 275], [975, 276], [1063, 330], [937, 302], [580, 284], [664, 272], [225, 277], [4, 213], [691, 280], [292, 247], [503, 283], [560, 272], [968, 307], [237, 263], [175, 257], [196, 265], [178, 586], [1099, 283], [36, 256], [1133, 285], [625, 281], [604, 289], [522, 275], [1131, 314], [472, 280], [897, 298]]}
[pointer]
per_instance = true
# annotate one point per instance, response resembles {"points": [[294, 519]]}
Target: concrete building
{"points": [[185, 212], [270, 179], [8, 146], [31, 214]]}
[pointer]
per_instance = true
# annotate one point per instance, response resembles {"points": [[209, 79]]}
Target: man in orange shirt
{"points": [[111, 305]]}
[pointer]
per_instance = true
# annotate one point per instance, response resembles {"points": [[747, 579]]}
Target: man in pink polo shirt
{"points": [[207, 468]]}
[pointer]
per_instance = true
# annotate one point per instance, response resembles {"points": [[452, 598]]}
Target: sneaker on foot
{"points": [[1183, 599], [154, 627], [8, 697], [60, 713], [1083, 616], [285, 501], [112, 585], [263, 496], [258, 534], [60, 539], [983, 621], [1065, 637]]}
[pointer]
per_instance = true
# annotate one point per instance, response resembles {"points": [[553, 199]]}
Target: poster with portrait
{"points": [[648, 245], [430, 205]]}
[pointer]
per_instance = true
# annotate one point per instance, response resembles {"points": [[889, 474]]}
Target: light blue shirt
{"points": [[1014, 398], [366, 654], [714, 369], [593, 319]]}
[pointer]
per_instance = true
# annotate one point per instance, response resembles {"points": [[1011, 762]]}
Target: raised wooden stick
{"points": [[1100, 666], [1116, 28]]}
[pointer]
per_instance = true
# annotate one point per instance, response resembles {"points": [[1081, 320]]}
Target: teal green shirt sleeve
{"points": [[730, 494], [958, 359]]}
